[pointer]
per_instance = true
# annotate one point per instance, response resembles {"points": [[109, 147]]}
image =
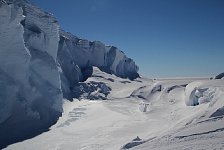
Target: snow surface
{"points": [[111, 124]]}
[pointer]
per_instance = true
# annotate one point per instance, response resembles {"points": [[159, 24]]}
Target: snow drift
{"points": [[200, 92], [166, 123]]}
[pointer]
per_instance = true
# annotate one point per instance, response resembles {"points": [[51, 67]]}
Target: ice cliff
{"points": [[30, 95], [39, 64], [77, 57]]}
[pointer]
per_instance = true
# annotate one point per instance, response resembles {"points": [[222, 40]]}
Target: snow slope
{"points": [[167, 123], [85, 122], [200, 125]]}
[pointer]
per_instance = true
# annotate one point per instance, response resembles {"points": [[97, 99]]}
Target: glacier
{"points": [[79, 94], [40, 64]]}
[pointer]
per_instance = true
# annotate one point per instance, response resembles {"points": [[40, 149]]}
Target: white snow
{"points": [[168, 123], [201, 91]]}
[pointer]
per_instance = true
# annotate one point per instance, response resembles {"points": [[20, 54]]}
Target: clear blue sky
{"points": [[166, 38]]}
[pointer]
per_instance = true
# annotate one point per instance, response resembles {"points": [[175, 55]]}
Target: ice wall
{"points": [[78, 56], [30, 86], [39, 64]]}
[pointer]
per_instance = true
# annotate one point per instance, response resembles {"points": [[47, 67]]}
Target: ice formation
{"points": [[219, 76], [31, 90], [78, 56], [199, 92], [39, 64]]}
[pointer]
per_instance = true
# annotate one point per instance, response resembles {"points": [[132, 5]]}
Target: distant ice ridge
{"points": [[77, 57], [219, 76], [39, 64]]}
